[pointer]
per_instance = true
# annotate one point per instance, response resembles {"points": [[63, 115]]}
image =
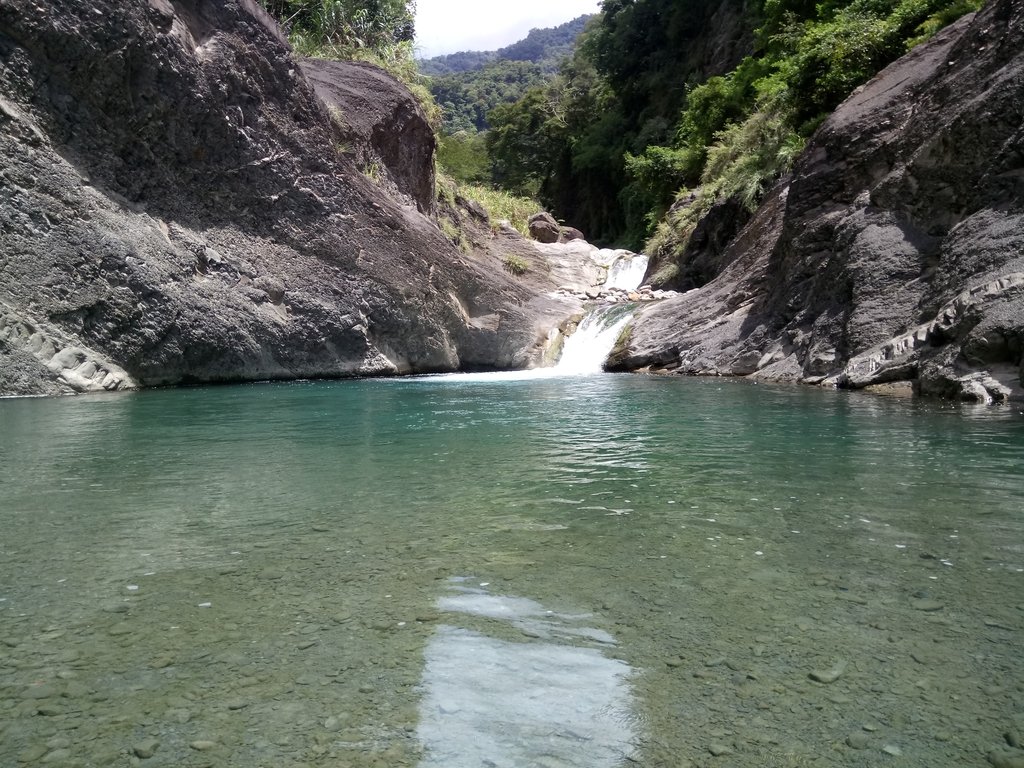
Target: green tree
{"points": [[523, 142]]}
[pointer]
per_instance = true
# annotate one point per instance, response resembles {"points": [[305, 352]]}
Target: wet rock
{"points": [[858, 740], [145, 749], [926, 604], [33, 754], [830, 675], [43, 691], [203, 745], [1006, 759], [720, 750]]}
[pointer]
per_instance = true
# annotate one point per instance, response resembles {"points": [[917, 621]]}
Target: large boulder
{"points": [[544, 228], [896, 249], [177, 205]]}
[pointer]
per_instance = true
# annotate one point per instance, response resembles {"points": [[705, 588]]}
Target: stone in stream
{"points": [[33, 754], [44, 691], [146, 749], [858, 740], [829, 675], [926, 604], [1007, 758]]}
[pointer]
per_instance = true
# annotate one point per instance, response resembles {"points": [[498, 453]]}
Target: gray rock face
{"points": [[895, 250], [174, 207], [381, 124]]}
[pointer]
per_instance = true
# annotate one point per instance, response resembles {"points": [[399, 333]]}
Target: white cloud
{"points": [[447, 26]]}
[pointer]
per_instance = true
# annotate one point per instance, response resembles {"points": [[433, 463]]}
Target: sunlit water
{"points": [[447, 572]]}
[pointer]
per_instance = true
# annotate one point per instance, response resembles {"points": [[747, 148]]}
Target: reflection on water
{"points": [[506, 703]]}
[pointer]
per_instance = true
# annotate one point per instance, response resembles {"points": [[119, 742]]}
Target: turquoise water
{"points": [[458, 572]]}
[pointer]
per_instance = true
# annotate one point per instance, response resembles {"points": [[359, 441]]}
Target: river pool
{"points": [[460, 572]]}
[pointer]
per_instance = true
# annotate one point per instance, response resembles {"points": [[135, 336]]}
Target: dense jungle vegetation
{"points": [[468, 85], [639, 117], [660, 109]]}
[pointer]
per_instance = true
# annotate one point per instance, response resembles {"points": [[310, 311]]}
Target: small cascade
{"points": [[626, 273], [586, 350]]}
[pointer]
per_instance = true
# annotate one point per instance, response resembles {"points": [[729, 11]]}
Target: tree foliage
{"points": [[467, 98], [637, 118], [546, 47], [469, 84]]}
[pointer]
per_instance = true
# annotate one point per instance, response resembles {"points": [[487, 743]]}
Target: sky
{"points": [[447, 26]]}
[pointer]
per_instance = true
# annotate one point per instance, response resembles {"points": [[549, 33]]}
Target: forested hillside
{"points": [[541, 46], [631, 124], [468, 85], [665, 100]]}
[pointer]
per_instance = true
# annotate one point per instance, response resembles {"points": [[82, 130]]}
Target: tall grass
{"points": [[346, 30], [501, 205]]}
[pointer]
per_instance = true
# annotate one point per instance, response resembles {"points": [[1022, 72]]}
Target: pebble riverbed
{"points": [[210, 609]]}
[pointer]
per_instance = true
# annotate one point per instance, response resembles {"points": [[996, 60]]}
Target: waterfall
{"points": [[588, 348], [626, 272]]}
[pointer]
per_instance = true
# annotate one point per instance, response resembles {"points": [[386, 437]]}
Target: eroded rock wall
{"points": [[903, 220], [174, 208]]}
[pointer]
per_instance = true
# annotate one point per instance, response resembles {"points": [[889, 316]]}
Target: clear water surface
{"points": [[487, 571]]}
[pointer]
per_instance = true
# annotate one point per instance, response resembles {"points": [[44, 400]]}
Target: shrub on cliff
{"points": [[344, 25]]}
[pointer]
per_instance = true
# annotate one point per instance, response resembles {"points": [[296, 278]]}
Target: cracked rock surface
{"points": [[177, 205], [892, 253]]}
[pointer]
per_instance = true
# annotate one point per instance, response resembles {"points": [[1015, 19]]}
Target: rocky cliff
{"points": [[178, 205], [895, 250]]}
